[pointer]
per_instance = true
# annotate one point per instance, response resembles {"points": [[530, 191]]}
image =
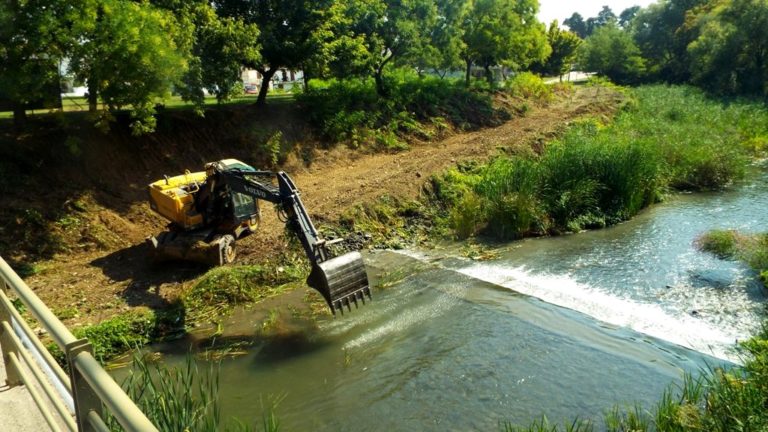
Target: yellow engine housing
{"points": [[173, 198]]}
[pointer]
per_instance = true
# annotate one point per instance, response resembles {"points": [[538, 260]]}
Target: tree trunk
{"points": [[93, 96], [19, 116], [306, 80], [488, 73], [266, 77], [469, 71], [381, 89]]}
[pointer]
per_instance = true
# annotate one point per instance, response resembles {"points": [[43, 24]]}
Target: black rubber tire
{"points": [[228, 250]]}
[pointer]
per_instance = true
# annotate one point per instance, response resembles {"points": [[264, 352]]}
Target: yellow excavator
{"points": [[209, 210]]}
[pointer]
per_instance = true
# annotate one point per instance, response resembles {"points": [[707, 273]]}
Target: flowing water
{"points": [[564, 327]]}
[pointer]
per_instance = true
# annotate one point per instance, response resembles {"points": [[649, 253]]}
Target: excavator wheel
{"points": [[227, 251]]}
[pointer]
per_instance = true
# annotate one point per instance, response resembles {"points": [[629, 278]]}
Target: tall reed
{"points": [[671, 138]]}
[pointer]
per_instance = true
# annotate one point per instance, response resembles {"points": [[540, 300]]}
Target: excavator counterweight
{"points": [[208, 211]]}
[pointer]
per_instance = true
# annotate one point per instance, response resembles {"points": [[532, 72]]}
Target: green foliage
{"points": [[223, 287], [730, 55], [130, 54], [729, 244], [389, 222], [221, 47], [34, 37], [117, 335], [611, 52], [598, 175], [662, 35], [174, 398], [529, 86], [443, 53], [345, 110], [503, 32], [543, 425], [634, 419], [721, 243], [577, 25], [564, 48]]}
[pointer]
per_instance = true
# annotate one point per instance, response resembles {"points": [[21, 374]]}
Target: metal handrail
{"points": [[88, 383]]}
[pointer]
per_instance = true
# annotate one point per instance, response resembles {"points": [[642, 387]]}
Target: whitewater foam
{"points": [[647, 318]]}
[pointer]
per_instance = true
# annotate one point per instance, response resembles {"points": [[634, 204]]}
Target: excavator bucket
{"points": [[341, 280]]}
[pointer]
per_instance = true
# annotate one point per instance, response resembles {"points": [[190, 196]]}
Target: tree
{"points": [[286, 30], [611, 52], [130, 54], [605, 17], [220, 47], [577, 25], [564, 47], [34, 37], [661, 33], [628, 15], [443, 52], [731, 54], [503, 31], [398, 32]]}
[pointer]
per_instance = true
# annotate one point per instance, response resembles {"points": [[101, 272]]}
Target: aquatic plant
{"points": [[730, 244], [174, 398], [185, 397], [597, 175]]}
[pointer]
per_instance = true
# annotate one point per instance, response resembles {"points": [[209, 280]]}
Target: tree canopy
{"points": [[731, 53], [129, 54], [503, 32], [564, 46], [611, 51], [133, 53]]}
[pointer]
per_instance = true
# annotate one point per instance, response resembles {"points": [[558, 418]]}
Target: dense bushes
{"points": [[596, 175], [351, 110], [530, 86]]}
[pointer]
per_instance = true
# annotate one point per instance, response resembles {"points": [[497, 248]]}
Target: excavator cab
{"points": [[208, 211]]}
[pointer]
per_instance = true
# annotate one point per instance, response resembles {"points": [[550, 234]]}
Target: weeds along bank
{"points": [[683, 141], [596, 174]]}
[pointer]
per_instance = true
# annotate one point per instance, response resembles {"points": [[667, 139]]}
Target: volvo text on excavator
{"points": [[209, 210]]}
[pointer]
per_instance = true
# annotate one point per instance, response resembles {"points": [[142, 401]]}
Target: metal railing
{"points": [[90, 387]]}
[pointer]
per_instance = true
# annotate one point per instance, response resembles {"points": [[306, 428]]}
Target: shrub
{"points": [[342, 109], [530, 86]]}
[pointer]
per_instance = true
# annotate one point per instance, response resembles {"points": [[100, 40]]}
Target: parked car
{"points": [[251, 89]]}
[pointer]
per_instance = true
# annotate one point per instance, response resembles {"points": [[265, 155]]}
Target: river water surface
{"points": [[564, 327]]}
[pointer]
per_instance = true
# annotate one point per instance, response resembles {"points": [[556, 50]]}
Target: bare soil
{"points": [[101, 269]]}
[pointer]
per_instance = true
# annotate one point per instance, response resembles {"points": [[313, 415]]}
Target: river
{"points": [[564, 327]]}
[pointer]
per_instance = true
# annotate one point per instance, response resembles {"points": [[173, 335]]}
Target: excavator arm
{"points": [[341, 280]]}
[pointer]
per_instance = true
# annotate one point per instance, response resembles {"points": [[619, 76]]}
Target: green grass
{"points": [[669, 138], [221, 288], [80, 104], [729, 244]]}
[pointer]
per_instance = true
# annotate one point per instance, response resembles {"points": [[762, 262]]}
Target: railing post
{"points": [[86, 400], [12, 375]]}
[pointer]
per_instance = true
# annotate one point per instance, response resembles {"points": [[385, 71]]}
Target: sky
{"points": [[560, 10]]}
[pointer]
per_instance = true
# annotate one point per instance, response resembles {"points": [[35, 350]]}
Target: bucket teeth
{"points": [[342, 281], [349, 299]]}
